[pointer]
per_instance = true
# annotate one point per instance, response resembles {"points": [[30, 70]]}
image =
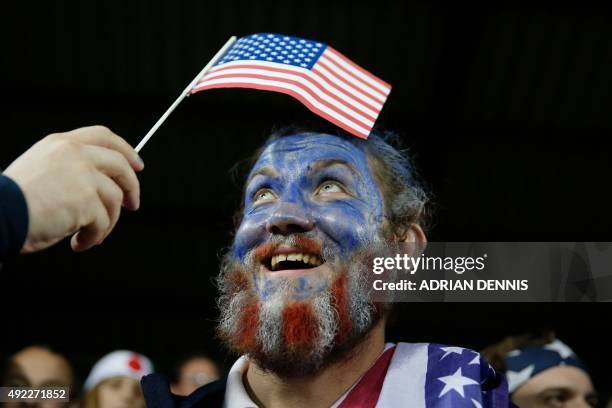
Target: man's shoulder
{"points": [[157, 394], [433, 356], [450, 375], [438, 352]]}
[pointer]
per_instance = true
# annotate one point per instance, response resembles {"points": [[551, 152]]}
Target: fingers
{"points": [[111, 196], [103, 216], [115, 182], [104, 137], [94, 231], [76, 181], [115, 166]]}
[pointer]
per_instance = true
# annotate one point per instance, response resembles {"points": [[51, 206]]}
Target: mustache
{"points": [[307, 242]]}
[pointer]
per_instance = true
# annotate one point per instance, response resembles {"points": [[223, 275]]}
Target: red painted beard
{"points": [[299, 324], [298, 338]]}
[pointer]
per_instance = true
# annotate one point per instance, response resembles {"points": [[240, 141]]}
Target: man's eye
{"points": [[262, 195], [330, 187], [555, 399]]}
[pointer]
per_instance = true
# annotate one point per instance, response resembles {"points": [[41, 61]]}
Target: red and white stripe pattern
{"points": [[324, 80]]}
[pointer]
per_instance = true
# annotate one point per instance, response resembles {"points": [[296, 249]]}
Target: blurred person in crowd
{"points": [[542, 372], [114, 381], [67, 184], [194, 371], [38, 367], [296, 301]]}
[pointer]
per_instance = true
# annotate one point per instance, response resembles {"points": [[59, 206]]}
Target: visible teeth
{"points": [[277, 258], [306, 258]]}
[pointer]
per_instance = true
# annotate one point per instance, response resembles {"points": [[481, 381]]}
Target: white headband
{"points": [[119, 363]]}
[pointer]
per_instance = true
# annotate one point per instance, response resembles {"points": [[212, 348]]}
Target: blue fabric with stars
{"points": [[276, 48], [523, 364], [459, 377]]}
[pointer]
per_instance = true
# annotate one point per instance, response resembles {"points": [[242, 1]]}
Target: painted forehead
{"points": [[300, 149]]}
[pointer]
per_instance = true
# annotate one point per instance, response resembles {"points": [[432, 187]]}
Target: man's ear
{"points": [[414, 233], [414, 240]]}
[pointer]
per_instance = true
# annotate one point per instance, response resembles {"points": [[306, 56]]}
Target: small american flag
{"points": [[325, 81]]}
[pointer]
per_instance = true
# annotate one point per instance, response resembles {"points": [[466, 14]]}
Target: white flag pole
{"points": [[186, 92]]}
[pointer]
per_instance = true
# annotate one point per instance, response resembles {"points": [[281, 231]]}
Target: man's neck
{"points": [[321, 389]]}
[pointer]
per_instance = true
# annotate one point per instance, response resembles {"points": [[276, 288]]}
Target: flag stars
{"points": [[455, 382], [519, 377], [279, 49], [475, 360], [451, 350], [561, 348]]}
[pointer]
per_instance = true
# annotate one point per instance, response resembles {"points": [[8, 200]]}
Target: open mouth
{"points": [[303, 255], [293, 260]]}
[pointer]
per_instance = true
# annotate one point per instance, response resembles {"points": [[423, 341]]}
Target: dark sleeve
{"points": [[13, 218], [157, 394]]}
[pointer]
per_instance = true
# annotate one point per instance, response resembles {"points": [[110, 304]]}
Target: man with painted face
{"points": [[295, 287]]}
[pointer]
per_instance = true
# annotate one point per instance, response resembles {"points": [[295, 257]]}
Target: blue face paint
{"points": [[316, 183]]}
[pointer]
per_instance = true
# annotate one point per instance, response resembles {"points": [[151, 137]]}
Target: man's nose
{"points": [[289, 218]]}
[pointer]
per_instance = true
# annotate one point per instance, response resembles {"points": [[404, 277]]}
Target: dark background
{"points": [[507, 111]]}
